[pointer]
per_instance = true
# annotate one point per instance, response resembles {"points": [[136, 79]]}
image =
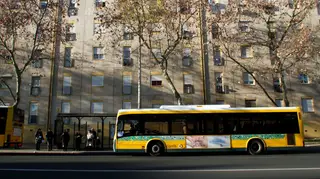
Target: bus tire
{"points": [[255, 147], [155, 148]]}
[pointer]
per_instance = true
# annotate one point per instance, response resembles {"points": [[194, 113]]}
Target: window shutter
{"points": [[156, 78]]}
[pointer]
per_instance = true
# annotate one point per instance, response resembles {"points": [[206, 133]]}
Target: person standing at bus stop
{"points": [[65, 139], [38, 138], [49, 137]]}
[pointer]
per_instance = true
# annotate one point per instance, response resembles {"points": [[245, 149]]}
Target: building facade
{"points": [[95, 76]]}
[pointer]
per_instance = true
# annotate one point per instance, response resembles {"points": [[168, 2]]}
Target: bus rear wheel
{"points": [[155, 148], [255, 147]]}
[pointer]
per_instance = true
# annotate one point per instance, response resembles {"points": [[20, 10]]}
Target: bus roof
{"points": [[206, 110]]}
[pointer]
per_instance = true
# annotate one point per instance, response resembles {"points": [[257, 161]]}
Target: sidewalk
{"points": [[53, 152]]}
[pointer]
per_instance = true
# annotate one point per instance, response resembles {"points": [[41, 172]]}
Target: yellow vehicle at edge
{"points": [[201, 128], [11, 127]]}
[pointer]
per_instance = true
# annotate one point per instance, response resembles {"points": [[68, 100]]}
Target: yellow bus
{"points": [[11, 127], [208, 128]]}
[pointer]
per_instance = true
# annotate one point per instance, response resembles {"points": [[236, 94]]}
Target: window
{"points": [[291, 3], [126, 84], [127, 34], [277, 84], [3, 85], [37, 63], [187, 59], [156, 80], [156, 105], [65, 108], [127, 56], [15, 4], [188, 84], [72, 3], [97, 80], [250, 103], [186, 33], [156, 53], [66, 85], [35, 86], [33, 113], [217, 7], [248, 79], [156, 127], [100, 3], [244, 26], [304, 79], [72, 9], [185, 6], [97, 107], [179, 126], [98, 28], [307, 105], [246, 51], [98, 53], [126, 105], [219, 101], [219, 84], [71, 32], [280, 102], [67, 57], [218, 60], [215, 31], [43, 4]]}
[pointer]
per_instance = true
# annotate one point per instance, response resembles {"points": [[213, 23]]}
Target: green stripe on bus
{"points": [[262, 136], [147, 138]]}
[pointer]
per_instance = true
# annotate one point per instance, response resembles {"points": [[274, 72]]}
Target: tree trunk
{"points": [[18, 90], [173, 88], [285, 89]]}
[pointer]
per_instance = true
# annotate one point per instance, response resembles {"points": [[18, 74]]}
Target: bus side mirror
{"points": [[120, 133]]}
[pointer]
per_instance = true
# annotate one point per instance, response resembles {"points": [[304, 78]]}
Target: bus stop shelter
{"points": [[79, 117]]}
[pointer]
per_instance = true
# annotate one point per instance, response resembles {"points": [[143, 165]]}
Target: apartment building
{"points": [[96, 76], [231, 84]]}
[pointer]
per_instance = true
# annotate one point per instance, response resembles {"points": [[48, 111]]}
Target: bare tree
{"points": [[268, 37], [155, 23], [27, 27]]}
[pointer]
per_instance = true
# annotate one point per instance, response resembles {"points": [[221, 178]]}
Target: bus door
{"points": [[3, 123], [291, 139]]}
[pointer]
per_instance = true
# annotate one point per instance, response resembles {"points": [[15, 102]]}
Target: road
{"points": [[306, 165]]}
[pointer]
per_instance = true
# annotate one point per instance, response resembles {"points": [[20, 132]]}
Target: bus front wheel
{"points": [[255, 147], [155, 148]]}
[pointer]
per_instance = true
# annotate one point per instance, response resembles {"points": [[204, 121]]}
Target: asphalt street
{"points": [[305, 165]]}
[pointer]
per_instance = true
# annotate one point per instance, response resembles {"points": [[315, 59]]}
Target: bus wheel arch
{"points": [[256, 146], [155, 147]]}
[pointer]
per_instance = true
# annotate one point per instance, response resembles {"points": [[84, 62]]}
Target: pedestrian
{"points": [[38, 138], [94, 133], [65, 137], [50, 138], [78, 140]]}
